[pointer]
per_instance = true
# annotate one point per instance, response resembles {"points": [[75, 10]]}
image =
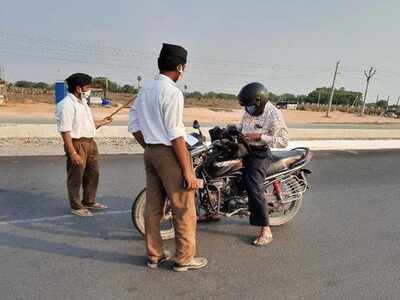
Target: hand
{"points": [[255, 137], [191, 180], [76, 159]]}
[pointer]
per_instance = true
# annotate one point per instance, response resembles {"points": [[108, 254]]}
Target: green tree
{"points": [[128, 89], [341, 96], [42, 85], [195, 95], [381, 103], [24, 84]]}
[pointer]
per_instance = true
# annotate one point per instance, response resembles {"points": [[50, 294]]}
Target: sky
{"points": [[290, 46]]}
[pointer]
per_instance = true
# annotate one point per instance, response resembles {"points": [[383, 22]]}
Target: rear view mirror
{"points": [[196, 124]]}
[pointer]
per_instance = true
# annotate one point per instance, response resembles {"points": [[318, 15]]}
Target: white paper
{"points": [[191, 140]]}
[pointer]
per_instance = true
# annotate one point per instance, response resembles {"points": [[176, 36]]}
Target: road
{"points": [[344, 244]]}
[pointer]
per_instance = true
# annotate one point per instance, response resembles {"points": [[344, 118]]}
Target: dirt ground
{"points": [[203, 114]]}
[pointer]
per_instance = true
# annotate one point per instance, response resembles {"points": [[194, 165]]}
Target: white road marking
{"points": [[46, 219]]}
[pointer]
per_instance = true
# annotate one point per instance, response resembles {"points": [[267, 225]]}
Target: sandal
{"points": [[262, 241], [83, 212], [96, 206]]}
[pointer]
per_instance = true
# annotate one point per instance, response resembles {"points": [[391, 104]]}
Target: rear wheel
{"points": [[138, 211], [286, 214]]}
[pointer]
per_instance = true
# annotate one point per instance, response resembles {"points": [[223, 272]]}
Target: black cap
{"points": [[173, 53], [78, 79]]}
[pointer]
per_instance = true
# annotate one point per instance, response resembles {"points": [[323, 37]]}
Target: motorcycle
{"points": [[222, 192]]}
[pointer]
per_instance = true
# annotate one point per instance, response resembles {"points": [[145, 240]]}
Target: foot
{"points": [[154, 265], [195, 264], [208, 218], [83, 212], [262, 241], [96, 206]]}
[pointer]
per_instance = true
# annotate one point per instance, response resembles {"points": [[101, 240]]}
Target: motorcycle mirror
{"points": [[196, 124]]}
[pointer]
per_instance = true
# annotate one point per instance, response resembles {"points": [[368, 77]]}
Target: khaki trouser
{"points": [[86, 175], [164, 179]]}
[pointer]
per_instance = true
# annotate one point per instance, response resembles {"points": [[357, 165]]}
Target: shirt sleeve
{"points": [[278, 135], [133, 121], [173, 116], [64, 117]]}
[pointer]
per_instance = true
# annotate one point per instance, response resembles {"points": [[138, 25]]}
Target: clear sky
{"points": [[290, 46]]}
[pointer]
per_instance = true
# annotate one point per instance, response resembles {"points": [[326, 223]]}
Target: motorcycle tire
{"points": [[138, 209], [286, 218]]}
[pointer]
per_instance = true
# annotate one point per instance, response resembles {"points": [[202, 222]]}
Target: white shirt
{"points": [[158, 112], [74, 115], [270, 124]]}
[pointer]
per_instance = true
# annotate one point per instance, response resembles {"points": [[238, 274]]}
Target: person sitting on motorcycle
{"points": [[263, 127]]}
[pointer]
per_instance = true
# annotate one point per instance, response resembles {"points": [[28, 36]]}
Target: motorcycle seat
{"points": [[282, 160]]}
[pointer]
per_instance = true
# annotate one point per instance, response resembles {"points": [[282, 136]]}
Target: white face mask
{"points": [[180, 70], [85, 95]]}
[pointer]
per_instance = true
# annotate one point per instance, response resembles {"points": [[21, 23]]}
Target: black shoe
{"points": [[208, 218], [155, 265]]}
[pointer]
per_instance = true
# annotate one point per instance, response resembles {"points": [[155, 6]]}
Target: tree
{"points": [[196, 95], [24, 84], [289, 97], [273, 98], [129, 89], [341, 96], [381, 103], [42, 85]]}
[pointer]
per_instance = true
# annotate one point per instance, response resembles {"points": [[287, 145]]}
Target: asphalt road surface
{"points": [[344, 243]]}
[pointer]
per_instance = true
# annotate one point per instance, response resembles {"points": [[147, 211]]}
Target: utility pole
{"points": [[397, 104], [368, 75], [106, 89], [332, 89], [319, 97], [387, 103], [355, 101], [377, 99]]}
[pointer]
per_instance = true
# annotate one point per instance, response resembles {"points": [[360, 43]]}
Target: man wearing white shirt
{"points": [[155, 120], [78, 128]]}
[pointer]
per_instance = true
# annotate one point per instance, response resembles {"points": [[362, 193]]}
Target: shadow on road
{"points": [[63, 249]]}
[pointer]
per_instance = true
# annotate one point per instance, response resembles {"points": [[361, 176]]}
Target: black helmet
{"points": [[253, 96]]}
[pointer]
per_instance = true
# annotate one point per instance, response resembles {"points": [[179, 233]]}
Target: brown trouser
{"points": [[85, 175], [164, 179]]}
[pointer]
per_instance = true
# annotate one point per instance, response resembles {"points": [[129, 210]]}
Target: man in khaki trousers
{"points": [[155, 120], [78, 128]]}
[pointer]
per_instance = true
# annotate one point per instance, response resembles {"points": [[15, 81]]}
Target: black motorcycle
{"points": [[219, 167]]}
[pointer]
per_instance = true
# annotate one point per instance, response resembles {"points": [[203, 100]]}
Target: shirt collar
{"points": [[165, 78], [76, 99]]}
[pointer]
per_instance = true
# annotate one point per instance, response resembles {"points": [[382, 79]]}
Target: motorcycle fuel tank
{"points": [[224, 168]]}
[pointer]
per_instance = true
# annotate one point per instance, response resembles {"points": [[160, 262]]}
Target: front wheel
{"points": [[138, 211]]}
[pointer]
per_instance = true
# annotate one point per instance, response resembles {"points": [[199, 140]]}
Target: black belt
{"points": [[157, 145]]}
